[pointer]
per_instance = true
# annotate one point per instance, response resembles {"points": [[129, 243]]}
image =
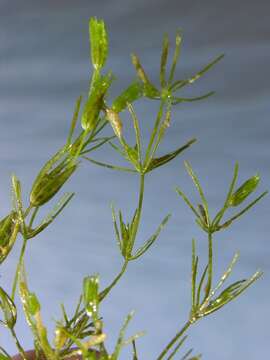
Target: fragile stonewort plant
{"points": [[83, 333]]}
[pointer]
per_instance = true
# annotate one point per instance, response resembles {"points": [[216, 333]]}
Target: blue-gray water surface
{"points": [[44, 67]]}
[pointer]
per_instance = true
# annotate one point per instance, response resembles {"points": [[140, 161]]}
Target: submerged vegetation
{"points": [[84, 332]]}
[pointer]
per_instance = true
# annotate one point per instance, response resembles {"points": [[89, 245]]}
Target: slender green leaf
{"points": [[185, 357], [203, 213], [226, 274], [151, 240], [137, 132], [133, 338], [177, 100], [120, 340], [126, 240], [102, 142], [139, 69], [4, 355], [160, 135], [203, 277], [247, 188], [220, 214], [132, 155], [100, 126], [74, 120], [179, 84], [65, 316], [109, 166], [117, 149], [178, 41], [17, 201], [188, 202], [57, 209], [199, 188], [157, 162], [132, 93], [135, 354], [177, 347], [194, 269], [249, 206], [149, 89], [231, 293], [163, 127], [163, 60], [154, 134], [118, 239]]}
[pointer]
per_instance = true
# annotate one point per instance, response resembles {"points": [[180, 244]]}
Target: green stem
{"points": [[33, 217], [139, 210], [94, 133], [19, 347], [160, 135], [210, 264], [174, 340], [15, 281], [153, 135], [105, 292], [27, 211], [94, 78]]}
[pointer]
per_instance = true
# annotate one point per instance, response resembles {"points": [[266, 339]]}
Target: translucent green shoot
{"points": [[137, 133], [188, 202], [242, 212], [121, 341], [177, 100], [74, 120], [151, 240], [203, 277], [149, 89], [163, 60], [230, 293], [57, 209], [101, 143], [220, 214], [4, 354], [194, 269], [199, 188], [135, 354], [157, 162], [98, 42], [181, 83], [177, 347], [178, 41], [90, 296], [109, 166]]}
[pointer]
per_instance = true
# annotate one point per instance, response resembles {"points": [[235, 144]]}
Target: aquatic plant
{"points": [[83, 333]]}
